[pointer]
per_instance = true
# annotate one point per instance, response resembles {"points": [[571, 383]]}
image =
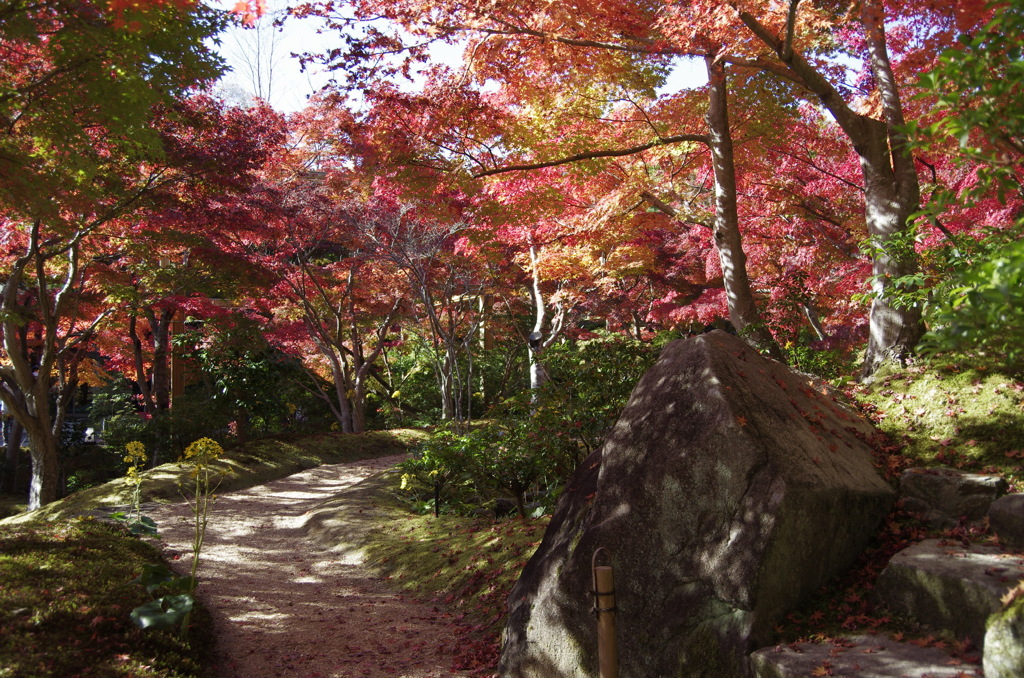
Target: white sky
{"points": [[289, 87]]}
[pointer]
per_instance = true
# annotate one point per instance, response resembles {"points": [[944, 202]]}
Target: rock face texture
{"points": [[945, 496], [729, 488], [1006, 516]]}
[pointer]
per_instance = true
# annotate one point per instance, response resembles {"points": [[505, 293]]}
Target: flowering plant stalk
{"points": [[202, 454], [135, 457], [177, 594]]}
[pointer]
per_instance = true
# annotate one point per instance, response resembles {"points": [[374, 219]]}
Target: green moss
{"points": [[1012, 613], [469, 564], [65, 601], [964, 418]]}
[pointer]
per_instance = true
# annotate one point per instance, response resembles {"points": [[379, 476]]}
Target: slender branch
{"points": [[590, 155], [787, 46], [665, 208]]}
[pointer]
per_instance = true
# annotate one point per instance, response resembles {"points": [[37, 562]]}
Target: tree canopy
{"points": [[839, 181]]}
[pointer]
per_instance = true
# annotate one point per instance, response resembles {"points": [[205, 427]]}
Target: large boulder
{"points": [[729, 489]]}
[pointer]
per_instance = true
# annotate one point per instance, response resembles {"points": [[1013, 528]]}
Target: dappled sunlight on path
{"points": [[286, 606]]}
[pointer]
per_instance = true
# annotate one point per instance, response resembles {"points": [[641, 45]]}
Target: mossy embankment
{"points": [[949, 415], [243, 466]]}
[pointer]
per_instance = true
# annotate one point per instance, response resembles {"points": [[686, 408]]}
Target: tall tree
{"points": [[77, 94]]}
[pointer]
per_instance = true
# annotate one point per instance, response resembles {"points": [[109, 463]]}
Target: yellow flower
{"points": [[204, 451], [135, 453]]}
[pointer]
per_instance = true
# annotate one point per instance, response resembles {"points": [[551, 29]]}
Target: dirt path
{"points": [[283, 604]]}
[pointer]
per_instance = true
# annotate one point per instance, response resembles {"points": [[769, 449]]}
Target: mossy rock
{"points": [[1004, 642]]}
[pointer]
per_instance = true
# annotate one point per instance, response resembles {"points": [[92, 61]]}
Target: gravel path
{"points": [[284, 605]]}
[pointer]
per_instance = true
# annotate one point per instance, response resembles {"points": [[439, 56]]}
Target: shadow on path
{"points": [[283, 604]]}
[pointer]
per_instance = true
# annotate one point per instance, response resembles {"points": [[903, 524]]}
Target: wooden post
{"points": [[604, 608]]}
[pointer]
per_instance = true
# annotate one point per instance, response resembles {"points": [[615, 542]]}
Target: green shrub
{"points": [[530, 446], [435, 467], [981, 316]]}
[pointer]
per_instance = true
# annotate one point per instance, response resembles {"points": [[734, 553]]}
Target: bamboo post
{"points": [[604, 608]]}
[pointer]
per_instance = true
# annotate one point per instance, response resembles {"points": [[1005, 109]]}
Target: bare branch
{"points": [[591, 155], [787, 46]]}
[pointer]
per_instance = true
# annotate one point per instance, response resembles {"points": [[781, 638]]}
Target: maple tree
{"points": [[336, 301], [77, 152], [176, 254], [809, 50]]}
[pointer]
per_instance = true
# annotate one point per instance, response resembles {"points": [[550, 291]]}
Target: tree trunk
{"points": [[894, 329], [538, 375], [344, 409], [891, 188], [161, 328], [742, 308], [813, 319], [141, 378], [13, 434], [892, 193], [45, 483], [447, 384], [359, 408]]}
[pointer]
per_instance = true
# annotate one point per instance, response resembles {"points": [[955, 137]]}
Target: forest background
{"points": [[510, 236]]}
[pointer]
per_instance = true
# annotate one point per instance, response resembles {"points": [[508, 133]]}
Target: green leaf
{"points": [[163, 613], [143, 526], [153, 577]]}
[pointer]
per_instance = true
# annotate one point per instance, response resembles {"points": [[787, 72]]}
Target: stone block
{"points": [[945, 585], [1006, 518], [944, 496]]}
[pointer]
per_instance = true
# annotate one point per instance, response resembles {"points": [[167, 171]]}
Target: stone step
{"points": [[945, 585], [860, 656]]}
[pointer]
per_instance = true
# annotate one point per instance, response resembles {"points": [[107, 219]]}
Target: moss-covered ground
{"points": [[468, 564], [951, 416], [65, 596]]}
